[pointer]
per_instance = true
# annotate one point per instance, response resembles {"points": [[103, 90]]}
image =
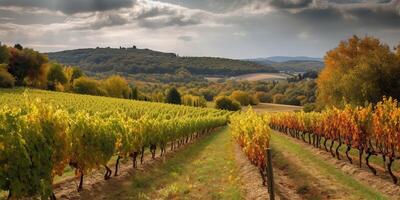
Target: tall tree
{"points": [[26, 63], [4, 54], [358, 71], [173, 96]]}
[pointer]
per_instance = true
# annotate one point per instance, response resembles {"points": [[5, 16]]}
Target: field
{"points": [[271, 107], [262, 77]]}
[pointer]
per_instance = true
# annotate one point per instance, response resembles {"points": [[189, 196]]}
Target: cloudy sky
{"points": [[225, 28]]}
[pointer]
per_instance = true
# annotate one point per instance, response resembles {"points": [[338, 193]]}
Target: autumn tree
{"points": [[117, 87], [26, 65], [358, 71]]}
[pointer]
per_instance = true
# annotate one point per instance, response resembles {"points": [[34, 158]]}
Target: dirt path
{"points": [[331, 178]]}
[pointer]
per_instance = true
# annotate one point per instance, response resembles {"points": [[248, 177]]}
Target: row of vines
{"points": [[253, 134], [37, 141], [371, 130]]}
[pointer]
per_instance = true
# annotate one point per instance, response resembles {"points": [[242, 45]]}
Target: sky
{"points": [[219, 28]]}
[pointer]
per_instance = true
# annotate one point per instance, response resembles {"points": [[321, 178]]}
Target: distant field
{"points": [[270, 107], [262, 76]]}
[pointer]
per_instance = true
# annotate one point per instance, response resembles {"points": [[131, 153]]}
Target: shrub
{"points": [[117, 87], [226, 103], [85, 85], [242, 97], [309, 107], [264, 97]]}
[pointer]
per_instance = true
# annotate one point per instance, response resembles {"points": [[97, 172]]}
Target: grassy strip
{"points": [[205, 170], [302, 180], [356, 188]]}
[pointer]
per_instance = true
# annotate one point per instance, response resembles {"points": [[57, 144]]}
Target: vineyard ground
{"points": [[317, 175], [208, 169]]}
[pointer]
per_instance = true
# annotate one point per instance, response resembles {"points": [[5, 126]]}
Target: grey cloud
{"points": [[70, 6], [108, 20], [291, 3], [185, 38]]}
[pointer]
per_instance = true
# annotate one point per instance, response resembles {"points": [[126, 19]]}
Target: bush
{"points": [[226, 103], [264, 97], [309, 107], [85, 85], [242, 97], [117, 87], [6, 79], [56, 76]]}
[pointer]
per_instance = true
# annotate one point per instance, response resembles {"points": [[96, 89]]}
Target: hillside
{"points": [[133, 61], [301, 65]]}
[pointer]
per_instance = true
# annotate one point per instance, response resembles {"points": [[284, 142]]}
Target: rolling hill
{"points": [[289, 64], [133, 61]]}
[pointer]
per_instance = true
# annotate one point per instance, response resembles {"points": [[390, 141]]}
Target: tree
{"points": [[134, 93], [226, 103], [18, 46], [26, 65], [56, 75], [6, 79], [173, 96], [4, 54], [359, 71], [117, 87]]}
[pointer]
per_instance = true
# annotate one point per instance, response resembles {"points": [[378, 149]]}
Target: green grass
{"points": [[205, 170], [356, 189]]}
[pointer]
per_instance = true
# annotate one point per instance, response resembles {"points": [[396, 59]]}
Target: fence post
{"points": [[270, 175]]}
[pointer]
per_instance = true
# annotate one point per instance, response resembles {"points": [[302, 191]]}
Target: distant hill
{"points": [[295, 58], [282, 63], [133, 61]]}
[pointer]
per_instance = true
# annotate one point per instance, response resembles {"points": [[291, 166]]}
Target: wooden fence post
{"points": [[270, 175]]}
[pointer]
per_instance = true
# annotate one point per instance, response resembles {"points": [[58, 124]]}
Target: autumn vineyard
{"points": [[193, 100]]}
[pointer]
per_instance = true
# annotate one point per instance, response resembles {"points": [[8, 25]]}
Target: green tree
{"points": [[134, 93], [18, 46], [4, 54], [56, 75], [226, 103], [173, 96], [359, 71]]}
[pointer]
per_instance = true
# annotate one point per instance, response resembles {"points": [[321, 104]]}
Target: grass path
{"points": [[332, 181], [204, 170]]}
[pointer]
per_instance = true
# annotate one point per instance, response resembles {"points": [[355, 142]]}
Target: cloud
{"points": [[70, 6], [291, 3], [185, 38]]}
